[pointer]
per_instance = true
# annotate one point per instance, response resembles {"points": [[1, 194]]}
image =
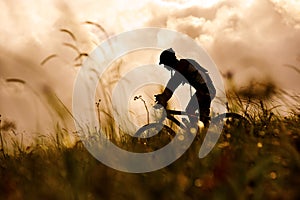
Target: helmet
{"points": [[166, 56]]}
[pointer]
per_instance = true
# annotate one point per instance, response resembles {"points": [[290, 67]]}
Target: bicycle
{"points": [[154, 134]]}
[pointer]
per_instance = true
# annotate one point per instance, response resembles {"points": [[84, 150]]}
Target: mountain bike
{"points": [[158, 133]]}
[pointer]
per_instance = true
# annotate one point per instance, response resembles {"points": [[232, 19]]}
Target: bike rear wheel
{"points": [[233, 125], [231, 119]]}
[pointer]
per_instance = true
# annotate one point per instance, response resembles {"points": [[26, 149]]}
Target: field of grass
{"points": [[260, 162]]}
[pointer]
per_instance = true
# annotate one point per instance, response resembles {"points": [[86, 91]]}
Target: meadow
{"points": [[261, 161]]}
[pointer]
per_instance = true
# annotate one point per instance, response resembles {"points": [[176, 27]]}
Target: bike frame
{"points": [[170, 115]]}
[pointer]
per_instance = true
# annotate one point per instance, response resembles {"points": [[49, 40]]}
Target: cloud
{"points": [[242, 34], [245, 37]]}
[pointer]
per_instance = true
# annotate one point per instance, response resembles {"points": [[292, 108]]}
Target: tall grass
{"points": [[258, 163], [262, 162]]}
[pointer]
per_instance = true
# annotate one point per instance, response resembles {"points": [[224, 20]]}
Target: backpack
{"points": [[205, 75]]}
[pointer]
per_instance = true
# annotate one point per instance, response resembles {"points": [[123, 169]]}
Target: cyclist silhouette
{"points": [[196, 76]]}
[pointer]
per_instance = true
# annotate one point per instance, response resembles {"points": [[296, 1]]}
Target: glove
{"points": [[160, 99]]}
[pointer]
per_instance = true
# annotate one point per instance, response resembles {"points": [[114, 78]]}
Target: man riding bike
{"points": [[196, 76]]}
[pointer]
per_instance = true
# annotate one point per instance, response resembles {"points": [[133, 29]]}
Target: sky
{"points": [[253, 39]]}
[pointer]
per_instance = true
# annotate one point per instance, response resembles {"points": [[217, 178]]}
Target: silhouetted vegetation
{"points": [[258, 162], [262, 162]]}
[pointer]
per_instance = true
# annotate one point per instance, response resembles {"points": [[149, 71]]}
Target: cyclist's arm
{"points": [[173, 83]]}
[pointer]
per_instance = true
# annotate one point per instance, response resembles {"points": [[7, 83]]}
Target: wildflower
{"points": [[273, 175], [181, 137], [193, 130], [262, 133], [198, 182], [223, 145], [259, 145]]}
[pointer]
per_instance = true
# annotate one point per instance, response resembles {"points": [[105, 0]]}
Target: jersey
{"points": [[195, 75]]}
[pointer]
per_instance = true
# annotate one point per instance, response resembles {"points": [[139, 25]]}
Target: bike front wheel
{"points": [[154, 135]]}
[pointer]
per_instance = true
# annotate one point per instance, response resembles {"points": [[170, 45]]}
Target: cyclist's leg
{"points": [[191, 109], [204, 101], [205, 116]]}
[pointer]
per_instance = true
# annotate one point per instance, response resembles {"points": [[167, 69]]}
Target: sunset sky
{"points": [[254, 39]]}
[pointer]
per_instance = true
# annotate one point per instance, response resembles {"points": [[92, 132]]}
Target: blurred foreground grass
{"points": [[260, 163]]}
